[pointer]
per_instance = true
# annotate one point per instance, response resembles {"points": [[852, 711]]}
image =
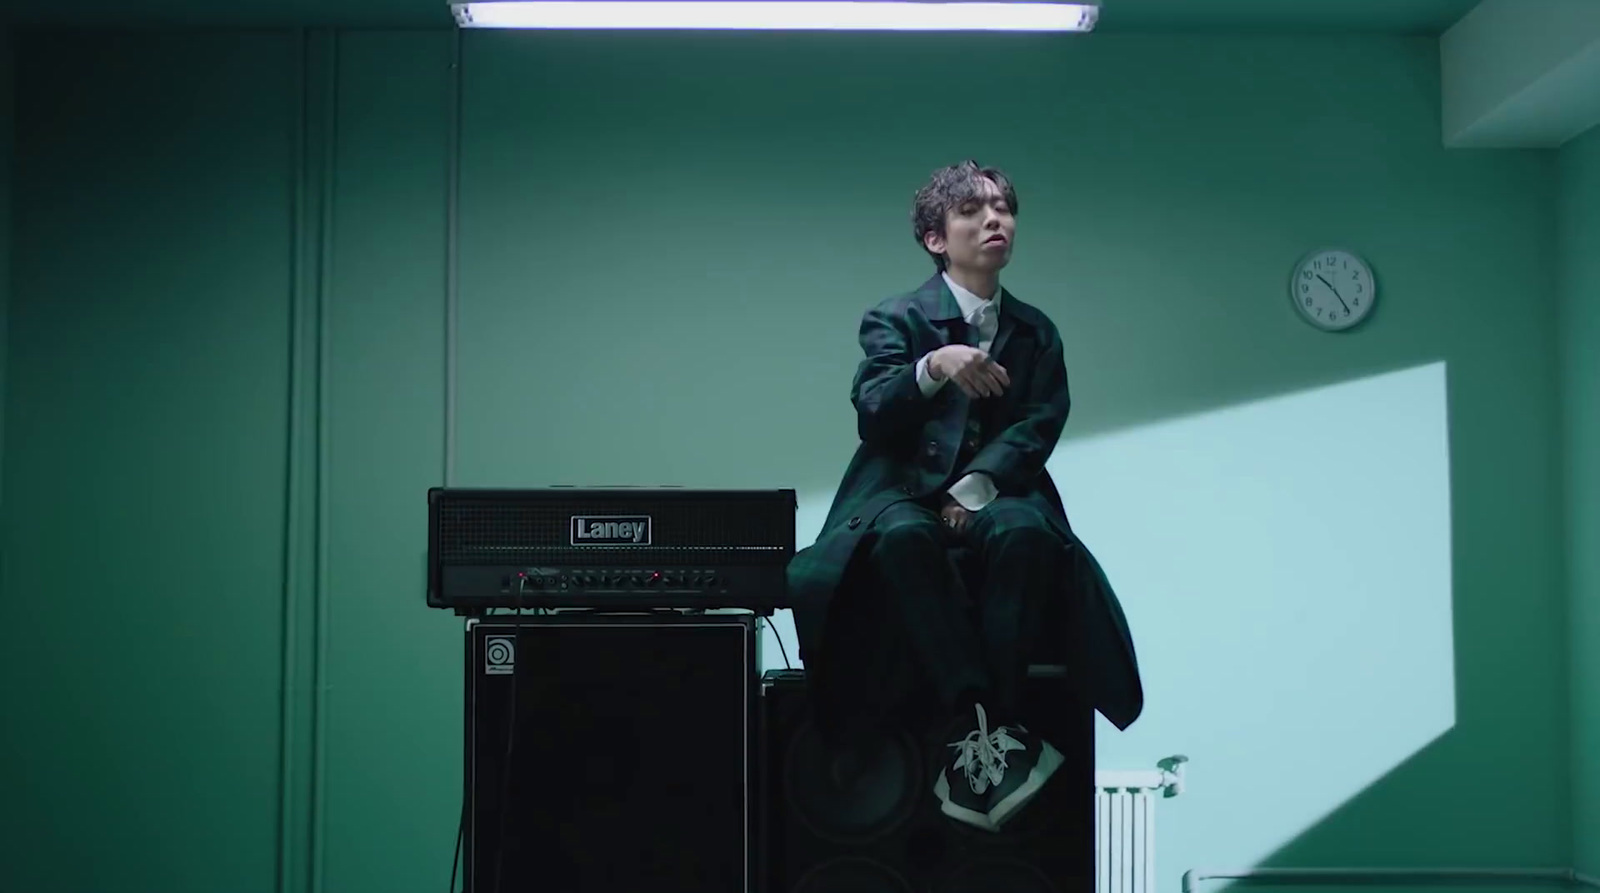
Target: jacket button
{"points": [[854, 523], [933, 448]]}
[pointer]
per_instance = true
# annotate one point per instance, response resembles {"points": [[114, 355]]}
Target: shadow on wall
{"points": [[1286, 568]]}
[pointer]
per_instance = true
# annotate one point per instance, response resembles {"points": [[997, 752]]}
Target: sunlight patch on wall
{"points": [[1286, 570]]}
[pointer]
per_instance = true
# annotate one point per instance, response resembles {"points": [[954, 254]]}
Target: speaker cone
{"points": [[856, 792], [995, 876], [852, 874]]}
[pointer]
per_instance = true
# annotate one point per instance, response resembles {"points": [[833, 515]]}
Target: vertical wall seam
{"points": [[8, 214], [319, 725], [452, 222], [1566, 568], [293, 470]]}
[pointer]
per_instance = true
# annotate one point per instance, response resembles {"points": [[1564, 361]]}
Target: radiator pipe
{"points": [[1566, 876]]}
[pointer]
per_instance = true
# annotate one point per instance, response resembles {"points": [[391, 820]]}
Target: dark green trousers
{"points": [[967, 645]]}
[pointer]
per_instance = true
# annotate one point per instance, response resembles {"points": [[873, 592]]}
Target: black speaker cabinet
{"points": [[865, 820], [609, 753]]}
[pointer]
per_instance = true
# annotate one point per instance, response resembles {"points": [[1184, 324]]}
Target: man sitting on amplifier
{"points": [[960, 400]]}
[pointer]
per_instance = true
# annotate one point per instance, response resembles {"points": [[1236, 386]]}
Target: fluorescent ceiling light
{"points": [[805, 15]]}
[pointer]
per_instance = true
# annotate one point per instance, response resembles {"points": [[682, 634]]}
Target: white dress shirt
{"points": [[975, 490]]}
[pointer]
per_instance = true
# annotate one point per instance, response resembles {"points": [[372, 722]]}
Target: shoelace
{"points": [[982, 754]]}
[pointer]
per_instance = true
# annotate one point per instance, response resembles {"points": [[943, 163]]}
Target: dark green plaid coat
{"points": [[909, 446]]}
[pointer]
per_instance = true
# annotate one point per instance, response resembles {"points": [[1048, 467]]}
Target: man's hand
{"points": [[954, 516], [970, 368]]}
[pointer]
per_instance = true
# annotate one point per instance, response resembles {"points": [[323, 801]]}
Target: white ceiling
{"points": [[1393, 16]]}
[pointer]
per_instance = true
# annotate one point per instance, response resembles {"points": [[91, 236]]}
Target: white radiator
{"points": [[1125, 825]]}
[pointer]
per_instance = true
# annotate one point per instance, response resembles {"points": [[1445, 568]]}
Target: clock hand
{"points": [[1335, 293]]}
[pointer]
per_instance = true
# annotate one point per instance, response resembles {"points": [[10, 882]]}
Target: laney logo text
{"points": [[611, 530]]}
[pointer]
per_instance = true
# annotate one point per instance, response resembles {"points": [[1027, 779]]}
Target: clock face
{"points": [[1333, 289]]}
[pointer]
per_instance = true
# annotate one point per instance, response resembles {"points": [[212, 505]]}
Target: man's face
{"points": [[978, 233]]}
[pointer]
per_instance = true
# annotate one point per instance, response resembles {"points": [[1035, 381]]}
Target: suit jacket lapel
{"points": [[948, 307], [939, 304], [1008, 322], [940, 307]]}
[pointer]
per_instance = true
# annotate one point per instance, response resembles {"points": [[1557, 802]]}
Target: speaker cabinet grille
{"points": [[630, 754]]}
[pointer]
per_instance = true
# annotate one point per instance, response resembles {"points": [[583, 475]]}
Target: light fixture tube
{"points": [[805, 15]]}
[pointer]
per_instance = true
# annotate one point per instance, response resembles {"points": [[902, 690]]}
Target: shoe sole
{"points": [[941, 789], [1049, 761]]}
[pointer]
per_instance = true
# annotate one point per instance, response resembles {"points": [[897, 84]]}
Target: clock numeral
{"points": [[1358, 288], [1308, 302]]}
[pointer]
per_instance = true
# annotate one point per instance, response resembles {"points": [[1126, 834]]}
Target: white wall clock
{"points": [[1333, 289]]}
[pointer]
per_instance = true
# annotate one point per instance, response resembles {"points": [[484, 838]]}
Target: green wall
{"points": [[227, 368], [1580, 350]]}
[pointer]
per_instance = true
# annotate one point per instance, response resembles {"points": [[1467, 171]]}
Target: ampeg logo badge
{"points": [[499, 655], [611, 530]]}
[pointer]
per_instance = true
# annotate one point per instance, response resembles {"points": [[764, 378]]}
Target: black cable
{"points": [[779, 636], [461, 832]]}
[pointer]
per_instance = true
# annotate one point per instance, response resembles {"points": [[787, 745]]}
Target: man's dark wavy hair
{"points": [[946, 190]]}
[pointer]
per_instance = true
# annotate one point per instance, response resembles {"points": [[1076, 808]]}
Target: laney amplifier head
{"points": [[609, 547]]}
